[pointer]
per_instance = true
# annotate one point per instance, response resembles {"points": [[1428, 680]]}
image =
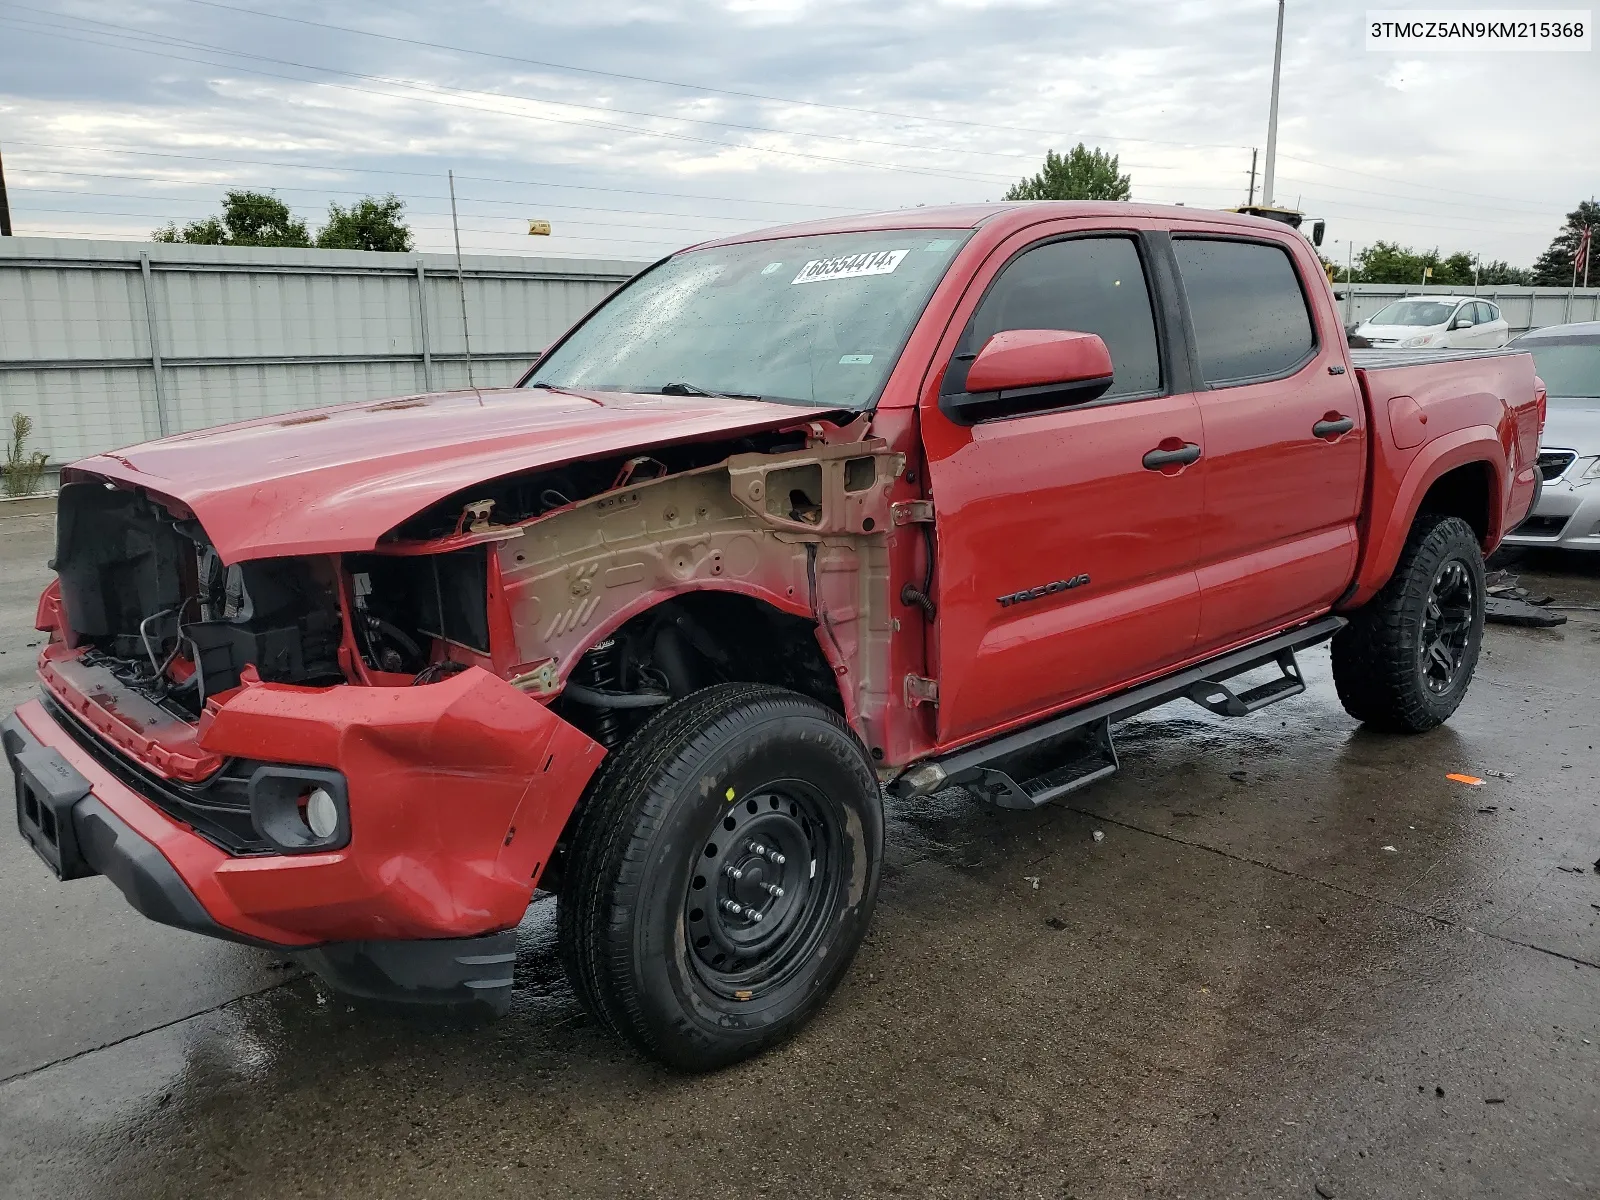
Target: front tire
{"points": [[722, 875], [1405, 660]]}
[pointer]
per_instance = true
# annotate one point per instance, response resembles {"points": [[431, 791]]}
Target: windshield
{"points": [[818, 320], [1568, 369], [1413, 312]]}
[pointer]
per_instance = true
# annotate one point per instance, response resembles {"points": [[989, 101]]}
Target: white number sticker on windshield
{"points": [[849, 266]]}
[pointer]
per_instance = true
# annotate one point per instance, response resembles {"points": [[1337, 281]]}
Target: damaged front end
{"points": [[371, 754], [254, 751]]}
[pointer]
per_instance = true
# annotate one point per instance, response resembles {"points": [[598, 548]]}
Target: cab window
{"points": [[1250, 317]]}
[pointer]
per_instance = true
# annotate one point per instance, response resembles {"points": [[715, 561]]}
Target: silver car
{"points": [[1567, 512]]}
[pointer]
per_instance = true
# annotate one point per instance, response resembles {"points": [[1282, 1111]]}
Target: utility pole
{"points": [[1349, 261], [461, 282], [1252, 199], [1272, 120], [5, 205]]}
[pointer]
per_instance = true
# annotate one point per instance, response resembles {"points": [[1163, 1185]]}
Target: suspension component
{"points": [[597, 669]]}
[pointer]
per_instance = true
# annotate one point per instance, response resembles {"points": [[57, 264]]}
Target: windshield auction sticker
{"points": [[850, 266], [1504, 29]]}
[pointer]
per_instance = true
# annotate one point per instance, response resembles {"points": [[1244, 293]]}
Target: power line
{"points": [[95, 212], [1339, 187], [672, 242], [426, 97], [627, 129], [846, 208], [465, 200], [1384, 178], [154, 38], [555, 66]]}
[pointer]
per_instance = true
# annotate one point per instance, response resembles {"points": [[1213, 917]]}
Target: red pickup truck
{"points": [[909, 501]]}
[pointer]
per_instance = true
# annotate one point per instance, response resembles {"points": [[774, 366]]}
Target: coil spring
{"points": [[598, 669]]}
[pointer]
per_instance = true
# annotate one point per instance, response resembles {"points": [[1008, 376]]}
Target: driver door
{"points": [[1066, 566]]}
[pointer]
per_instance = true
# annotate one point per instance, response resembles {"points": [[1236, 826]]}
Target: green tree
{"points": [[248, 219], [1554, 267], [369, 224], [1501, 272], [1081, 174], [1389, 262], [1455, 271]]}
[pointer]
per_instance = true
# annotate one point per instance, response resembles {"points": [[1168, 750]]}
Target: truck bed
{"points": [[1429, 412], [1377, 360]]}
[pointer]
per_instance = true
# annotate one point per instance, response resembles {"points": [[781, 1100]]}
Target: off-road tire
{"points": [[1380, 664], [635, 939]]}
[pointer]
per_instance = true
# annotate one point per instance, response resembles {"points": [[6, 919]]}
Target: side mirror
{"points": [[1023, 370], [1318, 228], [1026, 370], [1461, 323]]}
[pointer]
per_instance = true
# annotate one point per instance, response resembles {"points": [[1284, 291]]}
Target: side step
{"points": [[992, 770], [1217, 696], [1096, 759]]}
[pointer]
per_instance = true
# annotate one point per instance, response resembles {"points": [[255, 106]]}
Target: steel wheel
{"points": [[763, 887], [723, 872], [1446, 624]]}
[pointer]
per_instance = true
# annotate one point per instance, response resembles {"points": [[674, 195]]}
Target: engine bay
{"points": [[150, 595]]}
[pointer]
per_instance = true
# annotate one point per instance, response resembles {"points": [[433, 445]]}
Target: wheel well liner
{"points": [[1467, 492]]}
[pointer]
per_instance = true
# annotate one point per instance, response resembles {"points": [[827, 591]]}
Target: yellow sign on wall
{"points": [[538, 228]]}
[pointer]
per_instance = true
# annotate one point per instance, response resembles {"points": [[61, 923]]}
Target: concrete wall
{"points": [[109, 343]]}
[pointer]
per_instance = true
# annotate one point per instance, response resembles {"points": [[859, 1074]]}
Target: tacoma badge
{"points": [[1044, 589]]}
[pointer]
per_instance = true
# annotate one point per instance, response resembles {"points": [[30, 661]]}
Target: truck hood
{"points": [[332, 480]]}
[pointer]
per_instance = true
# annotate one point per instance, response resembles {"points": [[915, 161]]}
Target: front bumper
{"points": [[458, 791], [1565, 518], [77, 836]]}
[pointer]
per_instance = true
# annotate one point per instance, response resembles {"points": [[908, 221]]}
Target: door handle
{"points": [[1330, 427], [1154, 460]]}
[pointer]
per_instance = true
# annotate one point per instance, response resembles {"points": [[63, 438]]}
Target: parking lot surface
{"points": [[1300, 962]]}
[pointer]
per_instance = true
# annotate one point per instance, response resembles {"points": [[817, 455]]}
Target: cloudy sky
{"points": [[635, 127]]}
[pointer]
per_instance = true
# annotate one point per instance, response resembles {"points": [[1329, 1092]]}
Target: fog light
{"points": [[322, 814], [300, 810]]}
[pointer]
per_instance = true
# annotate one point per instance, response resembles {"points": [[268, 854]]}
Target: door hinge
{"points": [[910, 511], [921, 691]]}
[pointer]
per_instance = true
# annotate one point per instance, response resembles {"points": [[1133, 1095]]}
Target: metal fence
{"points": [[105, 344], [108, 343], [1524, 308]]}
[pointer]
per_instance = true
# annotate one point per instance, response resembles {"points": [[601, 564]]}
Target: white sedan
{"points": [[1436, 321]]}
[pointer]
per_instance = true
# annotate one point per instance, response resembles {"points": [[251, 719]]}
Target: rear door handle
{"points": [[1154, 460], [1327, 428]]}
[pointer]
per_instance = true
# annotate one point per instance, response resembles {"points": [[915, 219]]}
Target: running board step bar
{"points": [[1218, 697], [1096, 760], [984, 767]]}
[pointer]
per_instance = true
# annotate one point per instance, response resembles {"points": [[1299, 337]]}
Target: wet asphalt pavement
{"points": [[1301, 963]]}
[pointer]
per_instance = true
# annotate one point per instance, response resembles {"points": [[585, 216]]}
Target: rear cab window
{"points": [[1249, 311]]}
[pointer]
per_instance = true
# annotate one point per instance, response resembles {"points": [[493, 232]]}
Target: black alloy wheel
{"points": [[1446, 626], [1404, 662]]}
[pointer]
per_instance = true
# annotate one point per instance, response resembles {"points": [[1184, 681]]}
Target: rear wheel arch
{"points": [[1459, 475], [1470, 491]]}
